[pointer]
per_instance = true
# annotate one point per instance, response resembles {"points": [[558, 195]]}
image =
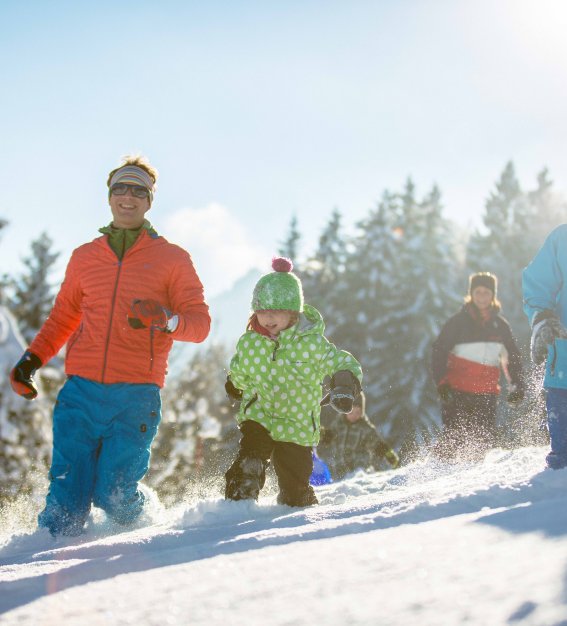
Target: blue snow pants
{"points": [[556, 400], [102, 436]]}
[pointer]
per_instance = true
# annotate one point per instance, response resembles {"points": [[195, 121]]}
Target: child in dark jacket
{"points": [[277, 374], [350, 442]]}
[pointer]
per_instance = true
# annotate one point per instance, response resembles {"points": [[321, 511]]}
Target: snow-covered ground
{"points": [[428, 544]]}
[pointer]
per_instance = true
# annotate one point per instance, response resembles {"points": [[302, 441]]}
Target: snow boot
{"points": [[555, 461], [60, 521], [303, 497], [245, 478]]}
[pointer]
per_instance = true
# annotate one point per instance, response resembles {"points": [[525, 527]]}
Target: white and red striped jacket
{"points": [[471, 351]]}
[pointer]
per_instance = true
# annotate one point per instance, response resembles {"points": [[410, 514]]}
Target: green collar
{"points": [[121, 239]]}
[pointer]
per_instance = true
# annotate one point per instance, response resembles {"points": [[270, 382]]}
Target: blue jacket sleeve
{"points": [[542, 279]]}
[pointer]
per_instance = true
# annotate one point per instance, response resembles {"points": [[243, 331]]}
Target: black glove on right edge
{"points": [[344, 389], [546, 328]]}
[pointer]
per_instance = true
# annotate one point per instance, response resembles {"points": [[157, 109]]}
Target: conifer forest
{"points": [[384, 288]]}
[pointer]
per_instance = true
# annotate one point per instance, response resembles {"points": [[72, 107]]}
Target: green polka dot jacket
{"points": [[281, 379]]}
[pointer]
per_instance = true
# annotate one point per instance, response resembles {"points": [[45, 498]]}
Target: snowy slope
{"points": [[426, 544]]}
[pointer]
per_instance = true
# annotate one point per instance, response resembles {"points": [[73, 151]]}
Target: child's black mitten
{"points": [[234, 394], [344, 389]]}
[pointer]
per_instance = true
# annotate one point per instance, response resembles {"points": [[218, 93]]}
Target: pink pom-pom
{"points": [[281, 264]]}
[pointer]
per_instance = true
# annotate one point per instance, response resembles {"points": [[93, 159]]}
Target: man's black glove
{"points": [[21, 376], [515, 396], [234, 394], [546, 328], [445, 392], [344, 389]]}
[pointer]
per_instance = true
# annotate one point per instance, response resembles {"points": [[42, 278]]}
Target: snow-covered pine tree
{"points": [[362, 319], [424, 295], [197, 430], [322, 272], [289, 247], [4, 278], [504, 247], [32, 294], [362, 291], [400, 282], [516, 224], [25, 428]]}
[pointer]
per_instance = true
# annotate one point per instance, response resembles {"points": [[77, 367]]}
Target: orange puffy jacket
{"points": [[90, 312]]}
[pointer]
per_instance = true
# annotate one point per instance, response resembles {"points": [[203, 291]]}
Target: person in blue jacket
{"points": [[545, 303]]}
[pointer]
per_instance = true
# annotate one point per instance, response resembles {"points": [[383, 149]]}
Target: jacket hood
{"points": [[310, 322]]}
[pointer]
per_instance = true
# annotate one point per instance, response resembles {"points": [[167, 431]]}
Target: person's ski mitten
{"points": [[21, 376], [445, 392], [150, 314], [234, 394], [546, 328], [344, 388], [393, 459], [515, 396]]}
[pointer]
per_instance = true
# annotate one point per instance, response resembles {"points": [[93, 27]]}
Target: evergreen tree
{"points": [[396, 291], [363, 290], [548, 210], [505, 246], [32, 294], [4, 279], [516, 224], [290, 246], [322, 272], [25, 432], [422, 297]]}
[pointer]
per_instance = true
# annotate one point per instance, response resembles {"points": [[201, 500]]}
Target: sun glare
{"points": [[542, 25]]}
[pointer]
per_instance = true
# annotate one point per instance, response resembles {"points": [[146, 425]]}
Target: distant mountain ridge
{"points": [[229, 312]]}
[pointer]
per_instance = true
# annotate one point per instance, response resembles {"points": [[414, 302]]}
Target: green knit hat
{"points": [[280, 290]]}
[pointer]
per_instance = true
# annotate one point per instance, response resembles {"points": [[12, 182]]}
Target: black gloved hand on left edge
{"points": [[21, 376]]}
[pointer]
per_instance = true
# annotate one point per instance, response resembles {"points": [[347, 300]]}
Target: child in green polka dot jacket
{"points": [[276, 374]]}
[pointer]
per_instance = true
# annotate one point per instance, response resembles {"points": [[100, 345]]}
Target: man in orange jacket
{"points": [[125, 297]]}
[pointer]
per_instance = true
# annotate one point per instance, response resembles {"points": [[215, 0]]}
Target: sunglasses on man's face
{"points": [[121, 189]]}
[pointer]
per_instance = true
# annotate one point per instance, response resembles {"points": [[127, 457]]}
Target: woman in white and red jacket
{"points": [[472, 350]]}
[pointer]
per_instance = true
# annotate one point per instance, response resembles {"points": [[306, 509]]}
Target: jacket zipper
{"points": [[112, 305], [113, 302], [276, 346]]}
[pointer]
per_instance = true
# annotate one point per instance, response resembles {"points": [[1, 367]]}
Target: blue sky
{"points": [[257, 111]]}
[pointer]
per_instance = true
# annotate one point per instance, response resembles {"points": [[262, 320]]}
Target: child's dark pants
{"points": [[292, 463]]}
